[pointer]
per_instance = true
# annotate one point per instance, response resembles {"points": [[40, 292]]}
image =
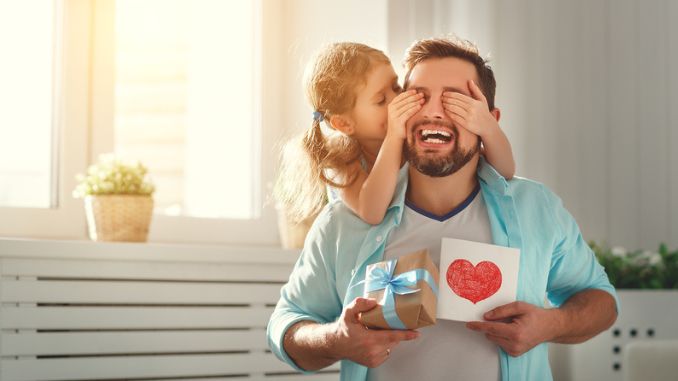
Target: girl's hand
{"points": [[400, 110], [470, 113]]}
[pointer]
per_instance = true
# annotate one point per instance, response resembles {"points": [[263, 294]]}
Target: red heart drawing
{"points": [[473, 283]]}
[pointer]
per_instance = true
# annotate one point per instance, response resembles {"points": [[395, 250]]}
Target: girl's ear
{"points": [[342, 124]]}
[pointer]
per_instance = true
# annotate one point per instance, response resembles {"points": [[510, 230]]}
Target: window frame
{"points": [[262, 229], [85, 119], [66, 217]]}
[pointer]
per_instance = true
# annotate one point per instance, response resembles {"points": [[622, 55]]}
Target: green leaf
{"points": [[639, 269]]}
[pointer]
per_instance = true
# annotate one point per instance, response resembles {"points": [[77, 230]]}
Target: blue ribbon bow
{"points": [[382, 278]]}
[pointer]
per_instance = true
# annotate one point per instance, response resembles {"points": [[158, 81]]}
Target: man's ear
{"points": [[342, 124], [496, 113]]}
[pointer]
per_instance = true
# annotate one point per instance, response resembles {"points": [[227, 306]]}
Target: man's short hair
{"points": [[452, 47]]}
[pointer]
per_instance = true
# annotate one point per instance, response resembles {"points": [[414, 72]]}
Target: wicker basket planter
{"points": [[119, 217]]}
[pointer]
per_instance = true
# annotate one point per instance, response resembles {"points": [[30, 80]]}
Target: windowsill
{"points": [[86, 249]]}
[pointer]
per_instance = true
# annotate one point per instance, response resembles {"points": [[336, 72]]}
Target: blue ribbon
{"points": [[382, 278]]}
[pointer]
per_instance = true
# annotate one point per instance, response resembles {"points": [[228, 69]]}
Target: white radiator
{"points": [[101, 311]]}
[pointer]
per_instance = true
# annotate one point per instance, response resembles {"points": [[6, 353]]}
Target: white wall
{"points": [[589, 102]]}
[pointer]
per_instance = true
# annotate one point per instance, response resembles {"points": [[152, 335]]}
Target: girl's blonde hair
{"points": [[315, 160]]}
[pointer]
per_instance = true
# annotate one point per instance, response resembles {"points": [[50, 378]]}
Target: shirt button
{"points": [[379, 238]]}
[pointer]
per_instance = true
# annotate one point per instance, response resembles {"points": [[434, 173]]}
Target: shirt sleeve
{"points": [[310, 293], [574, 266]]}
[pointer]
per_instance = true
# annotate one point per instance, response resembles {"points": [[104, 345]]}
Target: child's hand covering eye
{"points": [[401, 109]]}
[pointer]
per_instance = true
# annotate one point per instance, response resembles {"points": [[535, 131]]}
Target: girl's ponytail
{"points": [[299, 189], [314, 144], [314, 160]]}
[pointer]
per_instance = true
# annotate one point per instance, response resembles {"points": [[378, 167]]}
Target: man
{"points": [[449, 192]]}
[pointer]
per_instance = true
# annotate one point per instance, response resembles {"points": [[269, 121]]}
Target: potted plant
{"points": [[640, 269], [118, 199], [646, 283]]}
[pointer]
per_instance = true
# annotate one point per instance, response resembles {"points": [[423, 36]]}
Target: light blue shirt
{"points": [[555, 261]]}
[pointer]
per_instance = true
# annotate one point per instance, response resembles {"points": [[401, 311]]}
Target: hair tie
{"points": [[318, 116]]}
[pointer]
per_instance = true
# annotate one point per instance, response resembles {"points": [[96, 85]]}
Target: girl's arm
{"points": [[497, 151], [370, 195]]}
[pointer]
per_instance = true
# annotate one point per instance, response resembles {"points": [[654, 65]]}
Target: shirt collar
{"points": [[493, 186], [486, 174], [398, 202], [491, 178]]}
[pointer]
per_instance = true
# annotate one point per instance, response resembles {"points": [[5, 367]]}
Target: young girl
{"points": [[354, 89]]}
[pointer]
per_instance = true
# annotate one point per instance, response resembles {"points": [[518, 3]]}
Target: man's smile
{"points": [[434, 135]]}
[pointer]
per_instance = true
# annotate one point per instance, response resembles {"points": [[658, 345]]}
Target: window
{"points": [[184, 102], [175, 84], [26, 104], [48, 56]]}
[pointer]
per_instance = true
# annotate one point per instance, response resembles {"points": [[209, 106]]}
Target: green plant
{"points": [[639, 269], [112, 175]]}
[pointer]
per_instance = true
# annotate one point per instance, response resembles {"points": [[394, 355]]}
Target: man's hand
{"points": [[400, 110], [470, 113], [518, 327], [355, 342]]}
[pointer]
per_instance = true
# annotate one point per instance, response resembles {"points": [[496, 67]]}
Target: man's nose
{"points": [[433, 109]]}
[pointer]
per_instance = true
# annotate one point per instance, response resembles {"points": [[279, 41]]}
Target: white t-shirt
{"points": [[448, 350]]}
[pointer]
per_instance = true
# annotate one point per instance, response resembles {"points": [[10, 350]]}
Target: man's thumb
{"points": [[362, 305]]}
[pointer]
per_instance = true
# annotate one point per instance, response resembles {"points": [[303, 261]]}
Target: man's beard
{"points": [[439, 166]]}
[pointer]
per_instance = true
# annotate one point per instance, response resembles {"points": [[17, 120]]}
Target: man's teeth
{"points": [[425, 133], [436, 136]]}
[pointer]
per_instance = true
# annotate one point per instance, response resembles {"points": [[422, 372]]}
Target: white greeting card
{"points": [[475, 278]]}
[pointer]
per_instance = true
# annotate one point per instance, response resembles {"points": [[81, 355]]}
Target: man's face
{"points": [[435, 145]]}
